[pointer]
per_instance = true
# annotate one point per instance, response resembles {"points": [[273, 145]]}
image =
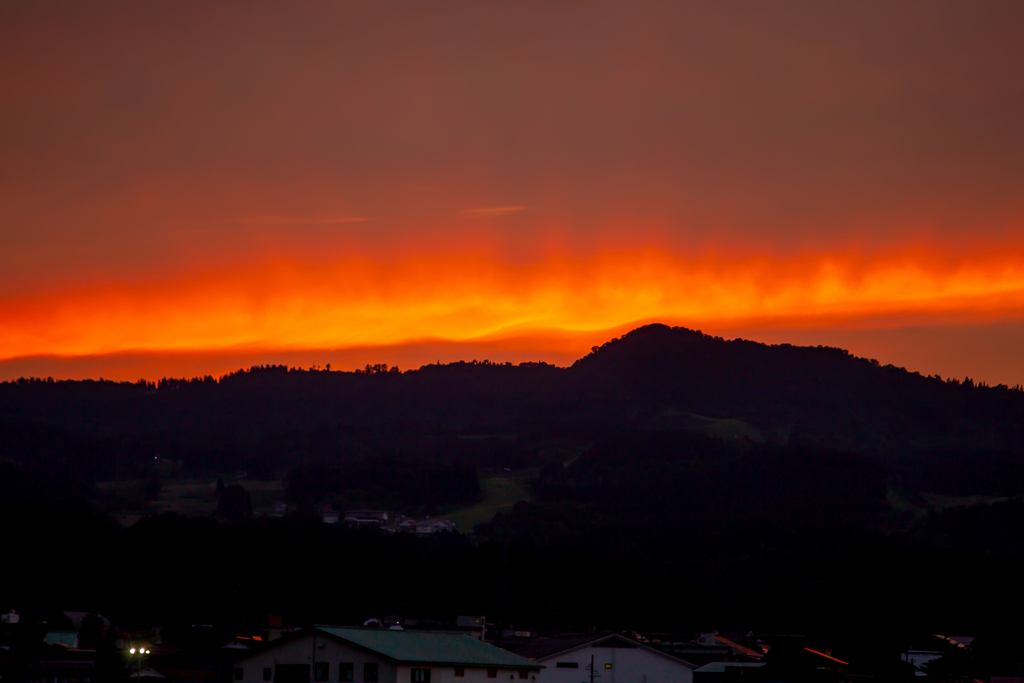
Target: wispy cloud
{"points": [[299, 220], [494, 211]]}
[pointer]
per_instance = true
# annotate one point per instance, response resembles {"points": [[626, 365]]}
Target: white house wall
{"points": [[446, 674], [628, 665]]}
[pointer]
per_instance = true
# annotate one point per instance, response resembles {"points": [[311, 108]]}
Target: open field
{"points": [[189, 497], [941, 502], [921, 504], [500, 493], [729, 429]]}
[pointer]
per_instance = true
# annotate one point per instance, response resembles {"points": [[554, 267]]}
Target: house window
{"points": [[524, 674], [371, 671], [460, 671], [567, 665], [267, 673], [420, 676], [238, 673], [492, 673], [322, 671], [346, 672]]}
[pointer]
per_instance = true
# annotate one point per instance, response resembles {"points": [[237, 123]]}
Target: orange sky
{"points": [[187, 187]]}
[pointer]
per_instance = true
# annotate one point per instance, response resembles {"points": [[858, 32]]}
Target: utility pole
{"points": [[504, 591]]}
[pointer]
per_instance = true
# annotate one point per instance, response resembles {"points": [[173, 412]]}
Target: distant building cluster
{"points": [[377, 519], [76, 647]]}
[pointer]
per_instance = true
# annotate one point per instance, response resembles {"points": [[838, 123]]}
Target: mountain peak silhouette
{"points": [[820, 395]]}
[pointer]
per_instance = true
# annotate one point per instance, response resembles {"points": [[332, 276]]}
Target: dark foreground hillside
{"points": [[671, 477]]}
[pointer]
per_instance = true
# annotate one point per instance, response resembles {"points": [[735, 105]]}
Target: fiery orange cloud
{"points": [[460, 298]]}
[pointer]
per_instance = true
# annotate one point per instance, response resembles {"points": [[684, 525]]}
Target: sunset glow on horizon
{"points": [[204, 181], [355, 303]]}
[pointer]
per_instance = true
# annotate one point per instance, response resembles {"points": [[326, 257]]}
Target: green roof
{"points": [[430, 648], [61, 638]]}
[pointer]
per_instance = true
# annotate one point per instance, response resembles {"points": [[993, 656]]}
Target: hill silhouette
{"points": [[655, 377], [818, 395]]}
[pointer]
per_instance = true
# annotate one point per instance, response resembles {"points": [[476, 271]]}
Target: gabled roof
{"points": [[827, 656], [69, 638], [550, 647], [429, 648], [545, 647], [742, 649]]}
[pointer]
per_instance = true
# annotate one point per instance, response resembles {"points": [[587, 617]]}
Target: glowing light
{"points": [[361, 302]]}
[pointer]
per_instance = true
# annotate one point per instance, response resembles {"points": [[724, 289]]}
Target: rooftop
{"points": [[542, 648], [434, 648]]}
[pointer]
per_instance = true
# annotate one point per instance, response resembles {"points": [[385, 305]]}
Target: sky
{"points": [[192, 187]]}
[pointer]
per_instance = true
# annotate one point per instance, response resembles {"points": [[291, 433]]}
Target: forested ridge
{"points": [[815, 395]]}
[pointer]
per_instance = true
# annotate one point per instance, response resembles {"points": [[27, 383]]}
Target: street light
{"points": [[140, 651]]}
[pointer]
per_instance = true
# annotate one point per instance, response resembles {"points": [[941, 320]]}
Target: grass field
{"points": [[920, 504], [500, 493], [940, 502], [190, 498], [729, 429]]}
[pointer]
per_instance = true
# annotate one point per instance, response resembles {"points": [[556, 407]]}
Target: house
{"points": [[698, 651], [605, 658], [933, 648], [330, 515], [793, 661], [362, 655], [427, 527], [737, 651], [919, 657], [59, 661], [366, 518]]}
